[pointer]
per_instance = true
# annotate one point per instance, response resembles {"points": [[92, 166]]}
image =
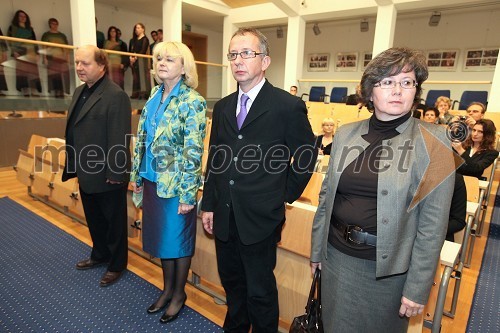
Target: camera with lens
{"points": [[462, 118]]}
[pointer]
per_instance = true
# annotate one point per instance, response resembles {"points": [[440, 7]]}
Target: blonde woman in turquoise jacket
{"points": [[167, 170]]}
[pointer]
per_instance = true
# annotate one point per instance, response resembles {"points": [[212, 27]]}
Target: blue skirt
{"points": [[166, 234]]}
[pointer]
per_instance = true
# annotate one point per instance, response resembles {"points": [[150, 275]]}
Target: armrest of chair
{"points": [[304, 94], [453, 104]]}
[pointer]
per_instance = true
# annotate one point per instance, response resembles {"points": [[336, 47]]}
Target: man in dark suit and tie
{"points": [[97, 146], [256, 133]]}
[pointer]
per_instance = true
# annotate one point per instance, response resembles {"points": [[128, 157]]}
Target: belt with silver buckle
{"points": [[355, 235]]}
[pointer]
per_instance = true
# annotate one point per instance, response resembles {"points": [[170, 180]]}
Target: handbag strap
{"points": [[316, 284]]}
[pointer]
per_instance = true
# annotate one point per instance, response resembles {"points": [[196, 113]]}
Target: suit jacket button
{"points": [[384, 256], [235, 159], [231, 182], [227, 205], [240, 136], [384, 192]]}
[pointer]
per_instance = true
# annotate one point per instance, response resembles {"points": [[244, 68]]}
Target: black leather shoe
{"points": [[154, 309], [109, 278], [89, 263], [166, 318]]}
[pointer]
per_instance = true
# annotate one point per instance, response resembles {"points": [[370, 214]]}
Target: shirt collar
{"points": [[252, 93]]}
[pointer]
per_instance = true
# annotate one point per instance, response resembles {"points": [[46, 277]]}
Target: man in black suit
{"points": [[249, 177], [97, 146]]}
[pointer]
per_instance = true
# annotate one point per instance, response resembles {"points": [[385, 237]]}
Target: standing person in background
{"points": [[381, 219], [154, 36], [244, 197], [293, 90], [3, 57], [27, 76], [56, 59], [160, 35], [172, 122], [116, 66], [140, 68], [99, 36], [98, 153]]}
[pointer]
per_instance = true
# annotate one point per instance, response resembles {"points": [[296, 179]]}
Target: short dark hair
{"points": [[263, 44], [53, 20], [389, 63], [435, 110]]}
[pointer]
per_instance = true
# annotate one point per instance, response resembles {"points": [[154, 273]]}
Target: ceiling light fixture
{"points": [[363, 25], [316, 29], [435, 18]]}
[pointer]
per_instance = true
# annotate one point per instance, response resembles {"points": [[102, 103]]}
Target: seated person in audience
{"points": [[458, 209], [475, 111], [293, 90], [443, 104], [324, 141], [478, 150], [419, 111], [431, 115]]}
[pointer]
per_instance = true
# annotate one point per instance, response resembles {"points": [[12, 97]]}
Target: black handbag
{"points": [[311, 321]]}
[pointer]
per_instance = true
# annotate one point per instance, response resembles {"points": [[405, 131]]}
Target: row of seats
{"points": [[339, 95], [468, 96], [318, 94]]}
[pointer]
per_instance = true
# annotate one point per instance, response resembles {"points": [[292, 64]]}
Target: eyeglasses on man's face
{"points": [[389, 84], [247, 54]]}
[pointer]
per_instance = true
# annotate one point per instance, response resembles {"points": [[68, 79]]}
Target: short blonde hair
{"points": [[177, 49], [327, 120], [443, 99]]}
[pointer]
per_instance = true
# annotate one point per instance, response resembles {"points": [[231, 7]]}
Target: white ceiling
{"points": [[205, 18]]}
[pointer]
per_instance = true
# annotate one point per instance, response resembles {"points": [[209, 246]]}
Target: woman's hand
{"points": [[132, 60], [409, 308], [458, 147], [135, 188], [184, 208], [315, 265]]}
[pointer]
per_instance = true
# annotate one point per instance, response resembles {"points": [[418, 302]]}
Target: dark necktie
{"points": [[243, 110]]}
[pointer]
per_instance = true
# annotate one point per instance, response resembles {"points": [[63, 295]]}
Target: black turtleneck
{"points": [[356, 198]]}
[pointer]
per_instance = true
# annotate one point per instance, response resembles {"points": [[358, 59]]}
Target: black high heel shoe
{"points": [[154, 309], [166, 318]]}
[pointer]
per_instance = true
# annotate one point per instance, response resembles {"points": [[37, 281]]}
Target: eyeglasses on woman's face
{"points": [[389, 84]]}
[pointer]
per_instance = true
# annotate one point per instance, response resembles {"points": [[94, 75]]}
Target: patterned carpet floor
{"points": [[485, 313], [41, 291]]}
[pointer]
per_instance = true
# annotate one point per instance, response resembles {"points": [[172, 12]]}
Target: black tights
{"points": [[175, 274]]}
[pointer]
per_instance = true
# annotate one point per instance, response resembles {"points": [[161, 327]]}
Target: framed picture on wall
{"points": [[442, 60], [346, 62], [366, 57], [318, 62], [484, 59]]}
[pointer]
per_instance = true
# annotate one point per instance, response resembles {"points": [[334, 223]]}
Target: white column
{"points": [[384, 28], [295, 41], [83, 22], [228, 82], [494, 96], [172, 20]]}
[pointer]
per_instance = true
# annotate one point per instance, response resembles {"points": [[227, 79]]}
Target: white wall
{"points": [[457, 30]]}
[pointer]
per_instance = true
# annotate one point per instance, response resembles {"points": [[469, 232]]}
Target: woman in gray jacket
{"points": [[384, 204]]}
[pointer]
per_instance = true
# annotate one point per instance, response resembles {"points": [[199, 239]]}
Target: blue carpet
{"points": [[41, 291], [484, 316]]}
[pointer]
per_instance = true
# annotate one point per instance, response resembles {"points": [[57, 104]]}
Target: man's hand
{"points": [[409, 308], [208, 222]]}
